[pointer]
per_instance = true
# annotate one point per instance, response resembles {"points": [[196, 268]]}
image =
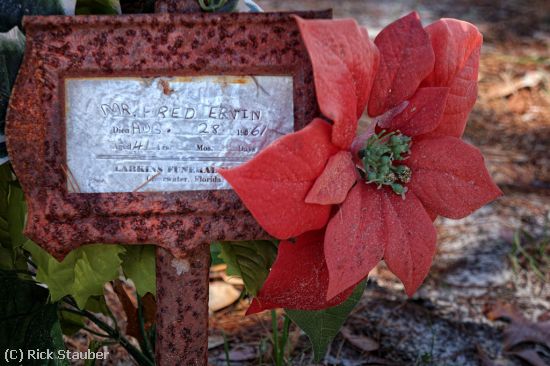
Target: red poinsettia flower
{"points": [[351, 204]]}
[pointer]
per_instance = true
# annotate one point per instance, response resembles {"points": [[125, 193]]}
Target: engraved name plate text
{"points": [[131, 134]]}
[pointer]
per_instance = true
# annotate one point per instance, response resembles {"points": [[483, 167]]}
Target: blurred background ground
{"points": [[490, 267]]}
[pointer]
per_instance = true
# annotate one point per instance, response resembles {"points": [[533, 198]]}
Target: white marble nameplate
{"points": [[169, 133]]}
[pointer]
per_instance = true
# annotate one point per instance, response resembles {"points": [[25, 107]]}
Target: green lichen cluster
{"points": [[381, 157], [217, 5]]}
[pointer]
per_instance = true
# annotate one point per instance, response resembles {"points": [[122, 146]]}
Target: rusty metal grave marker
{"points": [[117, 123]]}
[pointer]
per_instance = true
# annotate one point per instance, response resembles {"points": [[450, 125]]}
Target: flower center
{"points": [[381, 157]]}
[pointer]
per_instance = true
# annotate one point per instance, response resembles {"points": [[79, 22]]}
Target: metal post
{"points": [[182, 308], [182, 284]]}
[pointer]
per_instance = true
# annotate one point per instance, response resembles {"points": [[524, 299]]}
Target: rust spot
{"points": [[166, 90]]}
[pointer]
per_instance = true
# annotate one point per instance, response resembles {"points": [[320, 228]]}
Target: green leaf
{"points": [[12, 11], [59, 277], [5, 240], [5, 179], [215, 251], [12, 46], [82, 274], [91, 272], [94, 347], [219, 6], [249, 260], [321, 326], [17, 211], [6, 175], [12, 219], [14, 259], [139, 264], [70, 322], [5, 259], [97, 304], [109, 7], [28, 321]]}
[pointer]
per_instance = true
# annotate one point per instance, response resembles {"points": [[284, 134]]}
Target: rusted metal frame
{"points": [[181, 222], [59, 47]]}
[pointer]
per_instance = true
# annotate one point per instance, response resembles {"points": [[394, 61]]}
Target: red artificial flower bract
{"points": [[345, 62], [353, 201], [274, 184], [305, 258]]}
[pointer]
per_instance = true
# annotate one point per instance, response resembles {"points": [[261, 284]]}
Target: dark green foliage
{"points": [[321, 326], [220, 6], [28, 320], [12, 46], [249, 260], [12, 216], [108, 7], [139, 265]]}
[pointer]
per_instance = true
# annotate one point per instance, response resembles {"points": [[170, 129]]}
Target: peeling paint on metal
{"points": [[181, 265]]}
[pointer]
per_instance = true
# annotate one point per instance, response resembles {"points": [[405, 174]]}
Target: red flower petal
{"points": [[456, 45], [274, 184], [344, 63], [422, 114], [352, 248], [406, 58], [432, 215], [410, 239], [298, 278], [334, 183], [374, 223], [449, 177]]}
